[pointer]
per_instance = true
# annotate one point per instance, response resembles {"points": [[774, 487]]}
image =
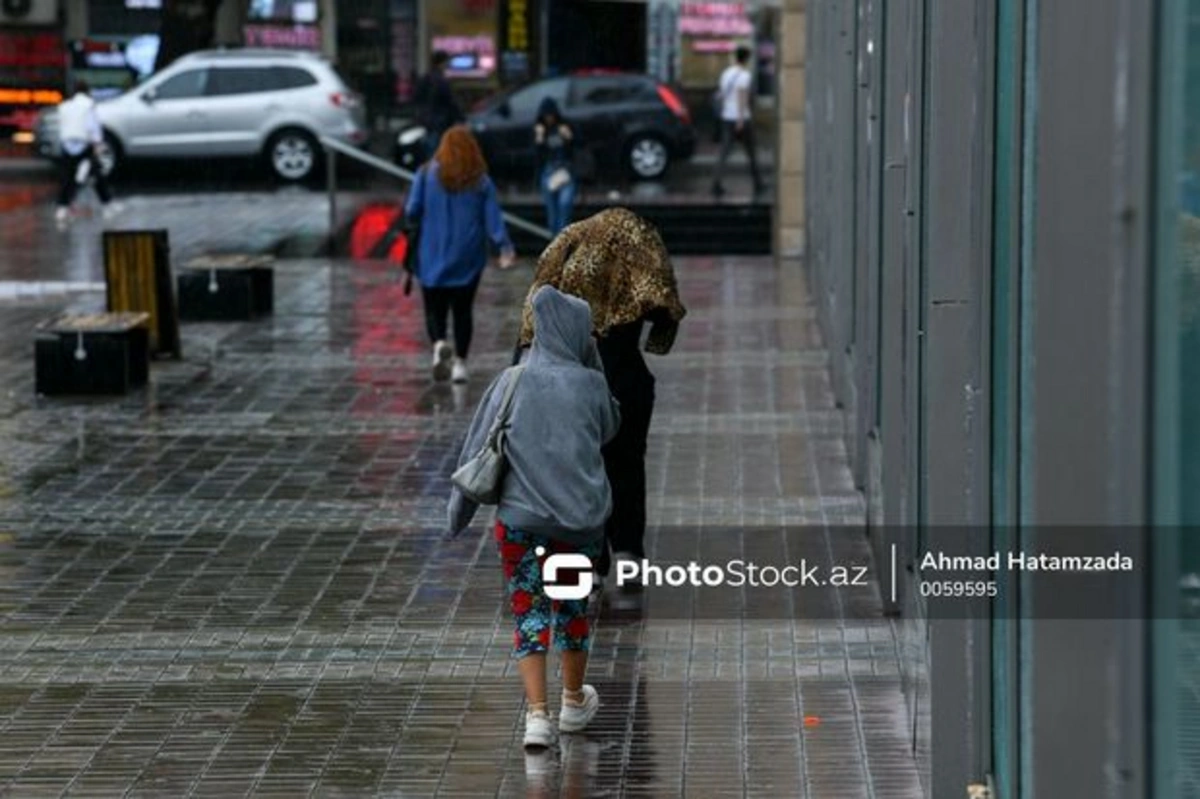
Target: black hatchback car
{"points": [[623, 121]]}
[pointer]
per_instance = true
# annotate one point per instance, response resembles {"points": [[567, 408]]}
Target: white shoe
{"points": [[458, 372], [62, 216], [539, 769], [539, 732], [575, 717], [442, 353], [112, 209]]}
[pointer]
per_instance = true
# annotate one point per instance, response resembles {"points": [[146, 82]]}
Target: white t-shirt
{"points": [[733, 79], [77, 124]]}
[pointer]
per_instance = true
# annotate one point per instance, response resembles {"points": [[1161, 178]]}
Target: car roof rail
{"points": [[250, 53]]}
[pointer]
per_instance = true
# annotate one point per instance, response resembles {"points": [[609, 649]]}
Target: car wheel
{"points": [[647, 158], [109, 155], [293, 155]]}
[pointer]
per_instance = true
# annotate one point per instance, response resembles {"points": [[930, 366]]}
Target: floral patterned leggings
{"points": [[531, 607]]}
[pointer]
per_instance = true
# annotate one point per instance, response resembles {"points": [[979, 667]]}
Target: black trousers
{"points": [[68, 165], [625, 464], [730, 135], [440, 303]]}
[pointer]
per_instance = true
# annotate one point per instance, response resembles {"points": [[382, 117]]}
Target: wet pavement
{"points": [[235, 582]]}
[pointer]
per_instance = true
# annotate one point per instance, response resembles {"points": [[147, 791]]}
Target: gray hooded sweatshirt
{"points": [[562, 414]]}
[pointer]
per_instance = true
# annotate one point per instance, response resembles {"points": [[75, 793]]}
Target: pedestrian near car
{"points": [[617, 263], [554, 497], [737, 121], [555, 141], [80, 139], [437, 110], [454, 203]]}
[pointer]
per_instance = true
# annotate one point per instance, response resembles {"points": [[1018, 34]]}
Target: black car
{"points": [[624, 121]]}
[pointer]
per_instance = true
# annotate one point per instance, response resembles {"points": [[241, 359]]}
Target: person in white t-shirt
{"points": [[737, 123], [79, 136]]}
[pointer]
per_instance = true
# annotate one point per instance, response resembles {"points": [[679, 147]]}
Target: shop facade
{"points": [[1002, 242], [33, 64]]}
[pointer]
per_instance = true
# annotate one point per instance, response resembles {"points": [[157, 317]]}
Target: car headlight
{"points": [[408, 138]]}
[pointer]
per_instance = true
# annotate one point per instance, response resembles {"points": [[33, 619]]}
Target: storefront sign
{"points": [[711, 31], [467, 31], [32, 75], [517, 49], [283, 37], [470, 56], [715, 20], [112, 65]]}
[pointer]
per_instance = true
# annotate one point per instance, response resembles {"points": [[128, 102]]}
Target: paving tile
{"points": [[236, 583]]}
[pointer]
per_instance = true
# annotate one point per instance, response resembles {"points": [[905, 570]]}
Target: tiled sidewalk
{"points": [[235, 583], [34, 250]]}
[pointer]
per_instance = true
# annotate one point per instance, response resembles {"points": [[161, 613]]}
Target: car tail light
{"points": [[677, 106], [345, 100]]}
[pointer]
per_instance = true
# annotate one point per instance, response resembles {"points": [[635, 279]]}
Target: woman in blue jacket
{"points": [[454, 202], [554, 140]]}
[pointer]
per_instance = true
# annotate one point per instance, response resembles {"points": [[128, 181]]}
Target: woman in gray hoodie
{"points": [[554, 502]]}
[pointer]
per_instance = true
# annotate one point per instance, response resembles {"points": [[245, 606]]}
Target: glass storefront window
{"points": [[1177, 418]]}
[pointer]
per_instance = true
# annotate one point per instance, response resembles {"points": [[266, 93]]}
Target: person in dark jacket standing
{"points": [[437, 110], [555, 141], [554, 498], [454, 202], [617, 263]]}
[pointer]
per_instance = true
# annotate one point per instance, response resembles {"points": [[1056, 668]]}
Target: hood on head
{"points": [[549, 107], [562, 324]]}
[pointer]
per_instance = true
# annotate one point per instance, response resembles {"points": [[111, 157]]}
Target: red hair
{"points": [[460, 161]]}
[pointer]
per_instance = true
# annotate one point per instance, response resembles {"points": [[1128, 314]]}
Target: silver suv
{"points": [[273, 103]]}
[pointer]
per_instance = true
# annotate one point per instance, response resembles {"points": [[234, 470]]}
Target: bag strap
{"points": [[501, 420]]}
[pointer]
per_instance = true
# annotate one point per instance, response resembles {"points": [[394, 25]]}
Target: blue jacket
{"points": [[455, 229]]}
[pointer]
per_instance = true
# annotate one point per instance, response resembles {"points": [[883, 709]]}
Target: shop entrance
{"points": [[586, 34]]}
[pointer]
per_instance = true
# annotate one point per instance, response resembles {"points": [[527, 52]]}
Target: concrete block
{"points": [[793, 38], [791, 147], [792, 92], [791, 242]]}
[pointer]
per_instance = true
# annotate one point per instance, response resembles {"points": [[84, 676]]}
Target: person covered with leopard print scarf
{"points": [[616, 261]]}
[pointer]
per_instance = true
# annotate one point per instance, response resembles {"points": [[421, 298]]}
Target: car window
{"points": [[187, 84], [525, 102], [606, 91], [223, 81], [291, 78]]}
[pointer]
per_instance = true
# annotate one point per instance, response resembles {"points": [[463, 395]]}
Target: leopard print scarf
{"points": [[615, 261]]}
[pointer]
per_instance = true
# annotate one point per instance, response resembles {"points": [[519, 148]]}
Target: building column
{"points": [[230, 17], [329, 23], [789, 130], [75, 20]]}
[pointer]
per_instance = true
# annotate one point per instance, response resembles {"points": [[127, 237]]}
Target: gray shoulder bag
{"points": [[482, 478]]}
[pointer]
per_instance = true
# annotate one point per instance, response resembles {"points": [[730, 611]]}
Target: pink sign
{"points": [[714, 46], [295, 37], [714, 19]]}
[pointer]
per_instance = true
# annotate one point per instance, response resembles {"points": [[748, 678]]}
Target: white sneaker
{"points": [[62, 216], [575, 717], [539, 770], [112, 209], [442, 353], [539, 732], [458, 372]]}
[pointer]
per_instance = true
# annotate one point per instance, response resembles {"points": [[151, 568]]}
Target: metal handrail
{"points": [[333, 147]]}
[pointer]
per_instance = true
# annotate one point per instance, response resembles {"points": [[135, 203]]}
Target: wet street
{"points": [[236, 583]]}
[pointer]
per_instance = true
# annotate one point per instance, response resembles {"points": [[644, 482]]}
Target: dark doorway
{"points": [[588, 34]]}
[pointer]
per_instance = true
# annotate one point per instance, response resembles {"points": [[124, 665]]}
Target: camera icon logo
{"points": [[576, 575]]}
